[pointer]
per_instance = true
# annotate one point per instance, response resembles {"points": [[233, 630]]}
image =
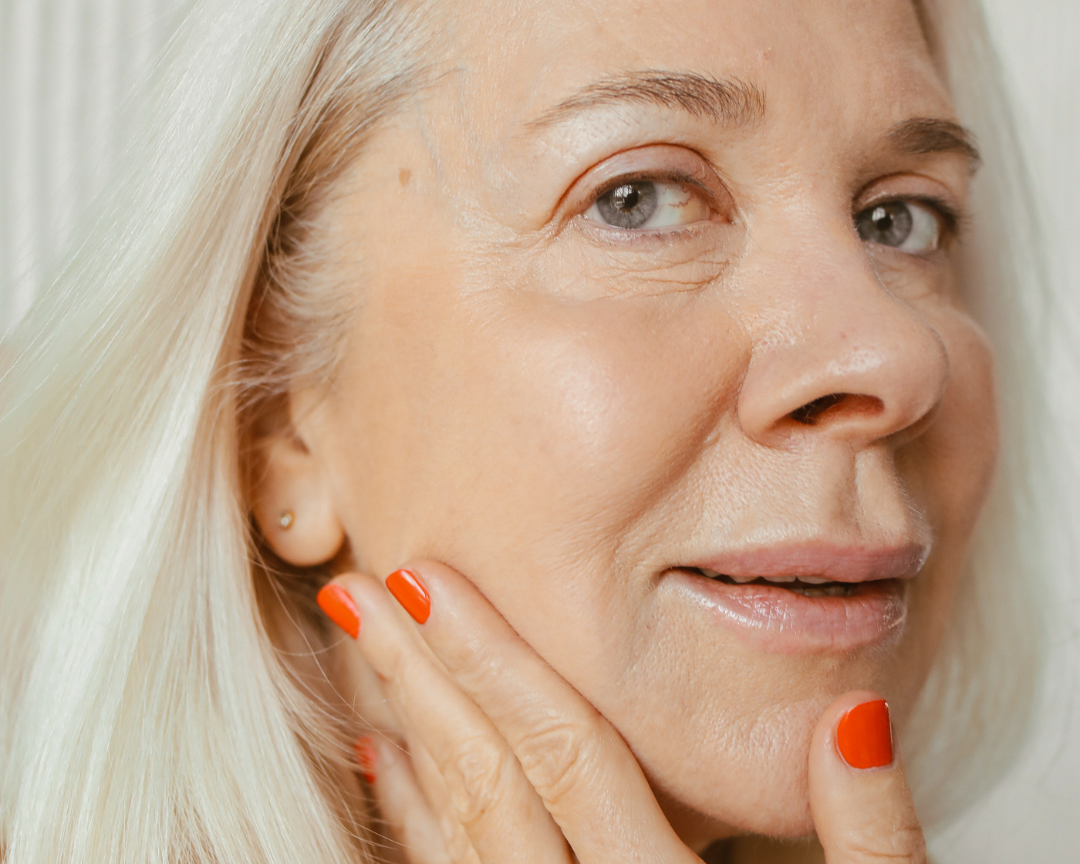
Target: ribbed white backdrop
{"points": [[67, 66], [1034, 817]]}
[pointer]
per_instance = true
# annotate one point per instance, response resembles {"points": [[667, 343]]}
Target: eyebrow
{"points": [[734, 102], [921, 135], [726, 101]]}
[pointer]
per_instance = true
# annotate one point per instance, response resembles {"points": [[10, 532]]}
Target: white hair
{"points": [[146, 712]]}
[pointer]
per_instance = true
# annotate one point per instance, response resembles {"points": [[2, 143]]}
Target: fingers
{"points": [[588, 779], [402, 803], [486, 792], [859, 794]]}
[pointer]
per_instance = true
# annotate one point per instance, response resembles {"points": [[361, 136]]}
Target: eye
{"points": [[905, 225], [649, 204]]}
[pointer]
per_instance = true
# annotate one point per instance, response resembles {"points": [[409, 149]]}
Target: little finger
{"points": [[402, 804]]}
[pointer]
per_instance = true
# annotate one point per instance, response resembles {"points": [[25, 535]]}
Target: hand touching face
{"points": [[657, 339], [504, 761]]}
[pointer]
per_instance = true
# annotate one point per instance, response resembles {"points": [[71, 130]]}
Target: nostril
{"points": [[837, 406], [811, 412]]}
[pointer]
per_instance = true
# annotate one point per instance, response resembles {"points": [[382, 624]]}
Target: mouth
{"points": [[806, 586], [804, 599]]}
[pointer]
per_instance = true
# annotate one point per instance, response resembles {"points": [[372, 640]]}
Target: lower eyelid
{"points": [[647, 241]]}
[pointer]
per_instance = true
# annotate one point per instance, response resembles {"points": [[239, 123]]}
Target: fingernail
{"points": [[367, 758], [410, 592], [339, 608], [864, 735]]}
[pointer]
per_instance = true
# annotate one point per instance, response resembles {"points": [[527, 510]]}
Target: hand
{"points": [[507, 763]]}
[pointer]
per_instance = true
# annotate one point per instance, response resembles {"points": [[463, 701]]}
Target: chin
{"points": [[724, 734], [758, 789]]}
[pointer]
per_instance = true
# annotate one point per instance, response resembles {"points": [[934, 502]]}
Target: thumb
{"points": [[859, 795]]}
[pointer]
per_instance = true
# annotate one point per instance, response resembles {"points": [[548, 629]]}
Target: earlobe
{"points": [[293, 506]]}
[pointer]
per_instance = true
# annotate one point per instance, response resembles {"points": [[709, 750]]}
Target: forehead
{"points": [[855, 62]]}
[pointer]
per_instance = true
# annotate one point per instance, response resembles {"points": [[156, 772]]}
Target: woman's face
{"points": [[661, 289]]}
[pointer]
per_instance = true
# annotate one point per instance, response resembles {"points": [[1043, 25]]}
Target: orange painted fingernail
{"points": [[367, 758], [410, 592], [339, 608], [864, 735]]}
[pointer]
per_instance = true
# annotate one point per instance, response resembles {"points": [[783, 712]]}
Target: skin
{"points": [[563, 412]]}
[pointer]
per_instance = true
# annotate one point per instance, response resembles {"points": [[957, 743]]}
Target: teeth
{"points": [[742, 580], [712, 574], [833, 589]]}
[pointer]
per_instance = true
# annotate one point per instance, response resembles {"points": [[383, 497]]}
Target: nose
{"points": [[836, 353]]}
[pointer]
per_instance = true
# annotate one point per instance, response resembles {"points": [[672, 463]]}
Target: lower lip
{"points": [[780, 621]]}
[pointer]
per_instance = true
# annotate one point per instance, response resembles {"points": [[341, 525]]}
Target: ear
{"points": [[292, 503]]}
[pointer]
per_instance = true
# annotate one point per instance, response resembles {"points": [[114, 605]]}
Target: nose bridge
{"points": [[835, 352]]}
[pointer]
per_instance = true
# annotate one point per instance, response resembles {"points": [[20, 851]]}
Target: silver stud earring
{"points": [[285, 520]]}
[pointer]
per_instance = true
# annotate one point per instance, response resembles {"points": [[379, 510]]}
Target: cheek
{"points": [[608, 401], [948, 471], [962, 446], [519, 435], [576, 419]]}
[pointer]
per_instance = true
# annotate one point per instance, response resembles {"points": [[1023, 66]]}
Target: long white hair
{"points": [[147, 711]]}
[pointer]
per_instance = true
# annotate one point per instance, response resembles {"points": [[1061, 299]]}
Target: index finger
{"points": [[582, 769]]}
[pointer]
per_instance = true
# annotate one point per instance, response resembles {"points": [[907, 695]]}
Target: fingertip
{"points": [[409, 590], [864, 735], [859, 796], [367, 758], [851, 724], [424, 587], [338, 605]]}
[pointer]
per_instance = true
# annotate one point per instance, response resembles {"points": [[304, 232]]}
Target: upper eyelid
{"points": [[703, 177], [647, 177], [615, 182], [657, 176], [954, 219], [929, 190]]}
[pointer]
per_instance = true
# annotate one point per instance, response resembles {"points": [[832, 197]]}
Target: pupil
{"points": [[626, 198], [630, 205], [889, 224]]}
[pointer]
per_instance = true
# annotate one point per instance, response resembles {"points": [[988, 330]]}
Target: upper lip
{"points": [[831, 561]]}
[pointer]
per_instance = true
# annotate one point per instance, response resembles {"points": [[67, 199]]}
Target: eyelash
{"points": [[648, 177], [953, 221]]}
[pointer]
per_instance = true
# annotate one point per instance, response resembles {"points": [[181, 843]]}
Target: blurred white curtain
{"points": [[1035, 815], [66, 69]]}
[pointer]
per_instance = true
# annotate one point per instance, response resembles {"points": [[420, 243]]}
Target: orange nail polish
{"points": [[367, 759], [864, 735], [410, 592], [339, 608]]}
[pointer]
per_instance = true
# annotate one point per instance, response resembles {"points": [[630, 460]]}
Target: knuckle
{"points": [[903, 844], [476, 773], [459, 848], [560, 755]]}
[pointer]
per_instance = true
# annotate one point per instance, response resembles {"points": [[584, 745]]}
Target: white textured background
{"points": [[66, 67], [1035, 816]]}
